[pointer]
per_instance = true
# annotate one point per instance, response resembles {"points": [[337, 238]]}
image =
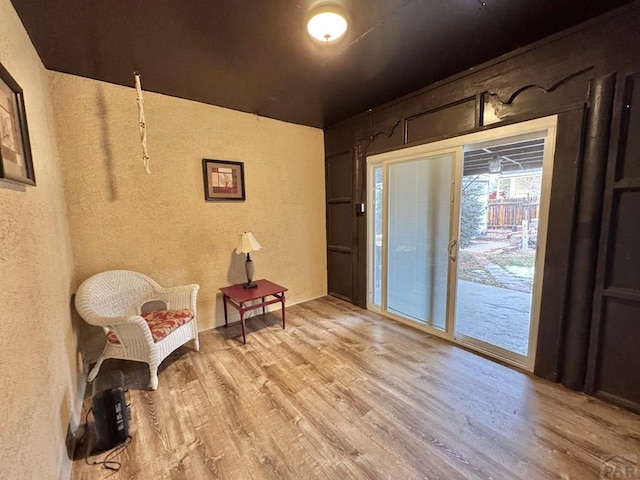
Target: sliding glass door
{"points": [[456, 236], [411, 236], [418, 234]]}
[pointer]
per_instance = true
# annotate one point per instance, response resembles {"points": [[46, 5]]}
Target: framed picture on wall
{"points": [[223, 181], [15, 150]]}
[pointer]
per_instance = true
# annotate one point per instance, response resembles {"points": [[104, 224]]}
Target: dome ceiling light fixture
{"points": [[327, 23]]}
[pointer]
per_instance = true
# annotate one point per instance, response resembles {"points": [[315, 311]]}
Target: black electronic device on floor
{"points": [[110, 411]]}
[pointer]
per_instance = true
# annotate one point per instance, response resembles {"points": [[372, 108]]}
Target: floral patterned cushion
{"points": [[161, 323]]}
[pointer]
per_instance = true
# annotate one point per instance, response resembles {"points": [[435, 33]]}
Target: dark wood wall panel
{"points": [[539, 97], [340, 172], [340, 234], [630, 148], [619, 357], [340, 284], [341, 225], [584, 248], [614, 355], [557, 266], [448, 120], [624, 267], [391, 135]]}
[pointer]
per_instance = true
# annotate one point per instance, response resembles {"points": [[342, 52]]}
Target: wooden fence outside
{"points": [[508, 213]]}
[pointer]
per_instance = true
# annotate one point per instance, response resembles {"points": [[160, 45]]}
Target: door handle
{"points": [[452, 250]]}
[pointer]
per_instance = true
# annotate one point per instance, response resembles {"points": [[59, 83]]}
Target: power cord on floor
{"points": [[109, 463]]}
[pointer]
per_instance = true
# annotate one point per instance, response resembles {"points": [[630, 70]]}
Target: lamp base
{"points": [[248, 266]]}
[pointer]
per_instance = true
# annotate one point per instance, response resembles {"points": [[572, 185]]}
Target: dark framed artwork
{"points": [[15, 150], [223, 181]]}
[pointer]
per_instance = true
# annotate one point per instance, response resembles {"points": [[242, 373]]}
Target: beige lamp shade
{"points": [[248, 243]]}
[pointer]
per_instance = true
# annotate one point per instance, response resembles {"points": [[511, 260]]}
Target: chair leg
{"points": [[196, 344], [94, 371], [153, 375]]}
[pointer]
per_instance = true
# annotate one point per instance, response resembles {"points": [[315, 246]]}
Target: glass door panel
{"points": [[418, 230], [501, 192]]}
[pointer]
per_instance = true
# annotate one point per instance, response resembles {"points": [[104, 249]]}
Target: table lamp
{"points": [[248, 244]]}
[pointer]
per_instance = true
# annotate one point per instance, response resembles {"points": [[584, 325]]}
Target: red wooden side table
{"points": [[237, 296]]}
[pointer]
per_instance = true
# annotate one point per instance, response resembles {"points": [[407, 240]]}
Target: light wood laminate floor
{"points": [[343, 393]]}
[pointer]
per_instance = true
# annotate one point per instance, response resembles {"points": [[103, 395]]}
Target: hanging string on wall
{"points": [[143, 125]]}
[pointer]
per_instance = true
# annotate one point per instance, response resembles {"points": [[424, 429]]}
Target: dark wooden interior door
{"points": [[614, 353], [342, 247]]}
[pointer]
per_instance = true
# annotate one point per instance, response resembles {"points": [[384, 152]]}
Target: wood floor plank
{"points": [[343, 393]]}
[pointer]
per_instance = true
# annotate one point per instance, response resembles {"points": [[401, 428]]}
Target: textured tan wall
{"points": [[159, 223], [37, 361]]}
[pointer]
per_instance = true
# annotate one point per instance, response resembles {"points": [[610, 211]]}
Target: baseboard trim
{"points": [[75, 429]]}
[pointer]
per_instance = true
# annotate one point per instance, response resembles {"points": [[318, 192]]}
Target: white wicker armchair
{"points": [[114, 300]]}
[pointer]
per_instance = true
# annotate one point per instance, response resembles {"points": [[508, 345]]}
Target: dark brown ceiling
{"points": [[255, 55]]}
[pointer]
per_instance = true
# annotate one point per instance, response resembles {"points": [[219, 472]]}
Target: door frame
{"points": [[384, 160], [544, 124]]}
